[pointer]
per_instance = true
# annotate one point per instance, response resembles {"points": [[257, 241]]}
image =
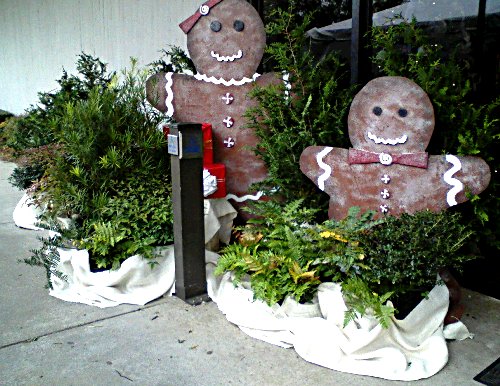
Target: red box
{"points": [[208, 145], [219, 171], [165, 129]]}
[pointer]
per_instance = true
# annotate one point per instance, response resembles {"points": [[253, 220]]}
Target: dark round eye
{"points": [[377, 111], [239, 25], [215, 26], [403, 112]]}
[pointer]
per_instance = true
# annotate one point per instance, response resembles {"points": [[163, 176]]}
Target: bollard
{"points": [[185, 146]]}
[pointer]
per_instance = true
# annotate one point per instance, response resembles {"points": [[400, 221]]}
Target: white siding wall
{"points": [[40, 37]]}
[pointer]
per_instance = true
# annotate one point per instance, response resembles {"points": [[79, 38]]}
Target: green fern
{"points": [[361, 301], [47, 257]]}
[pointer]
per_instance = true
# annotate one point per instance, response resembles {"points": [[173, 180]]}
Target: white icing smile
{"points": [[221, 58], [388, 141]]}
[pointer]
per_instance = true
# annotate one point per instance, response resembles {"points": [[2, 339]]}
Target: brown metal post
{"points": [[482, 63], [185, 145], [362, 12]]}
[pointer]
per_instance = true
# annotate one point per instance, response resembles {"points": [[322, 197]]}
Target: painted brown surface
{"points": [[196, 100], [410, 188]]}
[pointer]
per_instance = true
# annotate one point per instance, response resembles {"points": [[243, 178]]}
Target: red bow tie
{"points": [[418, 160]]}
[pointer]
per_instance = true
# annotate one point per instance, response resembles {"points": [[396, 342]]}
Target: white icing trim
{"points": [[448, 178], [288, 85], [170, 94], [231, 82], [328, 170], [221, 58], [389, 141], [254, 197]]}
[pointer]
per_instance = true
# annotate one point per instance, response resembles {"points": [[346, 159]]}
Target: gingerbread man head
{"points": [[225, 38], [391, 114]]}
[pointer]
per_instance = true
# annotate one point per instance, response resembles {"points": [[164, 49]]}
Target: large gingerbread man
{"points": [[226, 40], [390, 123]]}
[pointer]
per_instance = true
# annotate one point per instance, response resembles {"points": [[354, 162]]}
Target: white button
{"points": [[385, 179], [385, 194], [228, 121], [228, 98], [384, 208], [229, 142], [204, 9], [385, 159]]}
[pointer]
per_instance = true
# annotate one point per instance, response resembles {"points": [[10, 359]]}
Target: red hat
{"points": [[204, 9]]}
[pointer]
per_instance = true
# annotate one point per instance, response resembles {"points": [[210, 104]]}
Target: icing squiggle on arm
{"points": [[288, 85], [170, 94], [254, 197], [457, 186], [327, 169]]}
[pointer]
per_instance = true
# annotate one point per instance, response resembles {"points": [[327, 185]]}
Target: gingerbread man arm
{"points": [[156, 92], [268, 78], [313, 166], [327, 167], [161, 89], [466, 174]]}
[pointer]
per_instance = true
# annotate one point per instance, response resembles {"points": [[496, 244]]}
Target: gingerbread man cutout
{"points": [[226, 40], [390, 123]]}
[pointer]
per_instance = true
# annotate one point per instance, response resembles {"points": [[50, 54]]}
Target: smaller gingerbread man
{"points": [[390, 124]]}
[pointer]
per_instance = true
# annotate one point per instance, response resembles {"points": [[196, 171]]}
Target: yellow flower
{"points": [[333, 235], [361, 256], [248, 239]]}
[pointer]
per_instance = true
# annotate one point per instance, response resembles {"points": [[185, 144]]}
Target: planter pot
{"points": [[407, 302]]}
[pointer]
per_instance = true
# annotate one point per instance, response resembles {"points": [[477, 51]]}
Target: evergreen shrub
{"points": [[30, 138], [34, 128], [313, 113], [112, 173], [110, 178]]}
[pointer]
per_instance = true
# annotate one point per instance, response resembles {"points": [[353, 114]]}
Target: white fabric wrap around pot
{"points": [[409, 349], [135, 282], [26, 213]]}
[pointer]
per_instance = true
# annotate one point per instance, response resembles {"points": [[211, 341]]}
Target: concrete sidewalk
{"points": [[46, 341]]}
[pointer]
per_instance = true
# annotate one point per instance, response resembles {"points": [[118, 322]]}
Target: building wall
{"points": [[40, 37]]}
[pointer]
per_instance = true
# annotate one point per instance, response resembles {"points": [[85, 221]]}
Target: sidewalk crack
{"points": [[34, 339]]}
